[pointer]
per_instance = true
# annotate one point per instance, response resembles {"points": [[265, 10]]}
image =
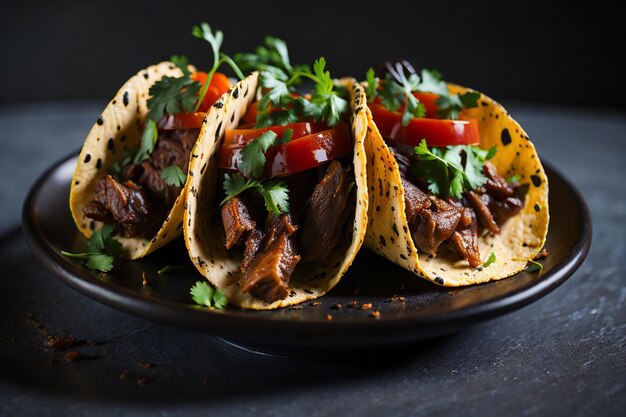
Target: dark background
{"points": [[529, 50]]}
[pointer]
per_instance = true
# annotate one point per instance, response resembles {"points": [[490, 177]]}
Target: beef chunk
{"points": [[138, 202], [481, 205], [253, 243], [127, 204], [326, 214], [465, 238], [96, 210], [403, 161], [236, 219], [266, 274], [496, 185], [436, 224], [505, 209], [415, 200]]}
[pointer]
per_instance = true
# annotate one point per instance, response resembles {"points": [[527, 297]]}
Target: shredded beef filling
{"points": [[138, 201], [433, 221], [271, 252]]}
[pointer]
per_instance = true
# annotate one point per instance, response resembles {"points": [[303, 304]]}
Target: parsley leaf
{"points": [[445, 171], [174, 176], [274, 192], [490, 260], [101, 250], [287, 135], [253, 159], [214, 39], [205, 295]]}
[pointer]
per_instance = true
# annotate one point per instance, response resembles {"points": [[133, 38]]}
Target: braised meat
{"points": [[414, 201], [433, 221], [465, 238], [139, 200], [481, 205], [325, 215], [496, 185], [126, 204], [436, 224], [236, 219], [266, 276]]}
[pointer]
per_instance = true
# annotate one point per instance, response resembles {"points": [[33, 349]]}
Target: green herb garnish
{"points": [[514, 179], [101, 250], [274, 192], [446, 172], [394, 94], [205, 295], [491, 259], [174, 176], [171, 268], [253, 154]]}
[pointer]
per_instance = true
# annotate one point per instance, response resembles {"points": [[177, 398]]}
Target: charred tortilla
{"points": [[119, 128], [521, 237], [204, 234]]}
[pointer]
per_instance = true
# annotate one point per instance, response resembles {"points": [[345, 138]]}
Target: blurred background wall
{"points": [[546, 51]]}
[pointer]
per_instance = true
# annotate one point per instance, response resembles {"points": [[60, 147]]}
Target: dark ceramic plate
{"points": [[426, 310]]}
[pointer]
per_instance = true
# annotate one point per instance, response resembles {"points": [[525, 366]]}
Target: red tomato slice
{"points": [[219, 85], [243, 136], [182, 121], [437, 132], [250, 116], [428, 99], [297, 155]]}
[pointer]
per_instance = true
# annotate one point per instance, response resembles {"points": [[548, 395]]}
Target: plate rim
{"points": [[230, 322]]}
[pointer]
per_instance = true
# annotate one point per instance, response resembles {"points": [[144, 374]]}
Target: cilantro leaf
{"points": [[490, 260], [100, 262], [276, 196], [275, 192], [513, 179], [214, 39], [174, 176], [101, 250], [182, 62], [253, 159], [372, 84], [236, 184], [148, 140], [534, 266], [444, 169], [172, 95], [205, 295], [287, 135]]}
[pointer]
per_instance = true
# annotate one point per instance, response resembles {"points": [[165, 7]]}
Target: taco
{"points": [[457, 192], [277, 203], [131, 171]]}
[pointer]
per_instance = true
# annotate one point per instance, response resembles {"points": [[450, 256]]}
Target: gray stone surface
{"points": [[563, 355]]}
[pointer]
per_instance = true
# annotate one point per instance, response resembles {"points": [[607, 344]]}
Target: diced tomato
{"points": [[182, 121], [243, 136], [297, 155], [219, 85], [437, 132]]}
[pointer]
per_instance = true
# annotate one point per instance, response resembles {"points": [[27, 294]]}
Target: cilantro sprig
{"points": [[174, 176], [394, 93], [101, 250], [452, 170], [203, 31], [274, 192], [205, 295], [279, 79]]}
